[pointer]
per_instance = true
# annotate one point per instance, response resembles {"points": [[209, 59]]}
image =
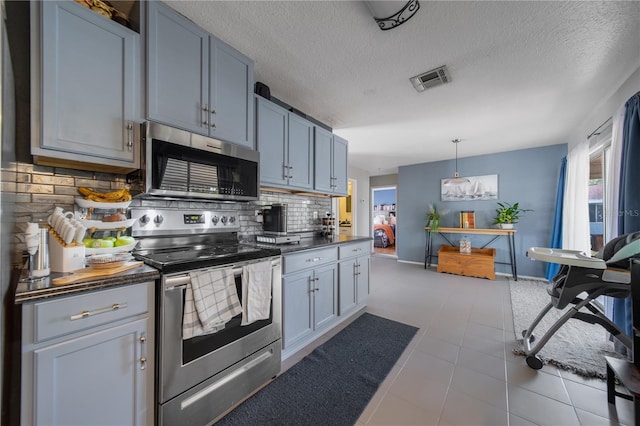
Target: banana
{"points": [[120, 195]]}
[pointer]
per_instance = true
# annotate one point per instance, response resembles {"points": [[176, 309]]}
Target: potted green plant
{"points": [[507, 214], [433, 217]]}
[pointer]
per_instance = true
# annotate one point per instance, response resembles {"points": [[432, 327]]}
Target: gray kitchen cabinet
{"points": [[285, 142], [195, 81], [310, 295], [354, 268], [330, 161], [89, 358], [339, 165], [85, 89]]}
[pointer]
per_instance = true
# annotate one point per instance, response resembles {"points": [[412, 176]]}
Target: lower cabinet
{"points": [[354, 267], [88, 358], [321, 288], [354, 282], [309, 302]]}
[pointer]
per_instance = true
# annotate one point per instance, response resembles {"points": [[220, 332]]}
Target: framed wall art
{"points": [[478, 188]]}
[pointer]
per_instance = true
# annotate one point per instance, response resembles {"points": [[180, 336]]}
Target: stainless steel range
{"points": [[199, 378]]}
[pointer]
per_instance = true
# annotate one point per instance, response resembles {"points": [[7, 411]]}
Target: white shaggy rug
{"points": [[577, 346]]}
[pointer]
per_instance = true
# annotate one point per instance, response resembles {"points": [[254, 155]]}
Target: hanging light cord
{"points": [[456, 141]]}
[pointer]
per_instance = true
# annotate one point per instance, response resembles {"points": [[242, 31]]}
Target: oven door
{"points": [[184, 364]]}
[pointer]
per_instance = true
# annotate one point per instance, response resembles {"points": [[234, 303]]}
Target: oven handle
{"points": [[181, 281]]}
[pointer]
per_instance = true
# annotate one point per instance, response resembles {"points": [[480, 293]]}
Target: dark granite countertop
{"points": [[29, 292], [318, 242]]}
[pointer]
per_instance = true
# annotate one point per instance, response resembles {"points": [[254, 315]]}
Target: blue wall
{"points": [[384, 196], [528, 176]]}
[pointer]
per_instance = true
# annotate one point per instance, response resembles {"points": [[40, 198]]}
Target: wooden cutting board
{"points": [[86, 273]]}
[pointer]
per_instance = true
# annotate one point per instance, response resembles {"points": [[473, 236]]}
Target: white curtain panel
{"points": [[612, 178], [575, 211]]}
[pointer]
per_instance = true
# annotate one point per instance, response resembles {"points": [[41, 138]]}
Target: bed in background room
{"points": [[383, 235]]}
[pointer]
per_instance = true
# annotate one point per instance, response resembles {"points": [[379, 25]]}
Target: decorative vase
{"points": [[434, 224], [506, 225]]}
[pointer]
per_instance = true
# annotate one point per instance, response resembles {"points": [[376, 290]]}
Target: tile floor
{"points": [[459, 369]]}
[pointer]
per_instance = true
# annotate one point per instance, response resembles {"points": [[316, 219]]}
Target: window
{"points": [[600, 148]]}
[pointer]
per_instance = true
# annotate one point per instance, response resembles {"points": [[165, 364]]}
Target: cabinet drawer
{"points": [[356, 249], [309, 259], [71, 314]]}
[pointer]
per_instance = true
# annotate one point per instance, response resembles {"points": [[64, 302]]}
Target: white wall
{"points": [[361, 204], [606, 108]]}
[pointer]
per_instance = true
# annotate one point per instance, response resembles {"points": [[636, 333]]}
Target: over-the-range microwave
{"points": [[180, 164]]}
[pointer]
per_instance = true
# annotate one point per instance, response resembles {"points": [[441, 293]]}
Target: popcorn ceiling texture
{"points": [[38, 189]]}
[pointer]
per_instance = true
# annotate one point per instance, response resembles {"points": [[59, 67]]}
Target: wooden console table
{"points": [[497, 233]]}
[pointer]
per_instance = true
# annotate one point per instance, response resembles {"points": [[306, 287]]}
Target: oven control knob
{"points": [[232, 219], [144, 219], [215, 220], [158, 219], [223, 219]]}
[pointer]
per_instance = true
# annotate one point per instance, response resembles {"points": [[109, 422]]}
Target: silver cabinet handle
{"points": [[213, 125], [130, 135], [85, 314], [143, 352], [314, 259], [205, 115]]}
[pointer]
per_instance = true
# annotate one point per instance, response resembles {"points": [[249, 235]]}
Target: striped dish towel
{"points": [[210, 302]]}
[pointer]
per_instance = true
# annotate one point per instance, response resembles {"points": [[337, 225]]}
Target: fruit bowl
{"points": [[88, 204], [107, 226], [110, 250]]}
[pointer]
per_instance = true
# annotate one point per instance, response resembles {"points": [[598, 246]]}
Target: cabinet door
{"points": [[296, 308], [347, 281], [325, 296], [322, 160], [300, 152], [177, 70], [271, 137], [339, 156], [88, 95], [95, 379], [362, 282], [231, 95]]}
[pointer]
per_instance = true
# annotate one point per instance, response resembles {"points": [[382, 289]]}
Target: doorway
{"points": [[384, 220], [346, 211]]}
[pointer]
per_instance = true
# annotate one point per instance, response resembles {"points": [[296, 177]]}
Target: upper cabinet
{"points": [[285, 142], [85, 90], [195, 81], [330, 158]]}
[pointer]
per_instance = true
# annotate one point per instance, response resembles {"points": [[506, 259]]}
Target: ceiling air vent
{"points": [[432, 78]]}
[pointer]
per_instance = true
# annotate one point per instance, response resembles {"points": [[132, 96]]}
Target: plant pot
{"points": [[506, 225], [434, 224]]}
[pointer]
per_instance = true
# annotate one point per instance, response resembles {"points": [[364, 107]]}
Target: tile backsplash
{"points": [[38, 189]]}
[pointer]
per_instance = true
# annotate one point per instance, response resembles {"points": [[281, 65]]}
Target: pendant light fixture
{"points": [[456, 179]]}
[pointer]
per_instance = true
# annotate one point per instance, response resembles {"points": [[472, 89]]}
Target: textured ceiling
{"points": [[523, 73]]}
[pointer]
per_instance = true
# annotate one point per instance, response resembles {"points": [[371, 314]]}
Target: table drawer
{"points": [[309, 259], [354, 249], [60, 316]]}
